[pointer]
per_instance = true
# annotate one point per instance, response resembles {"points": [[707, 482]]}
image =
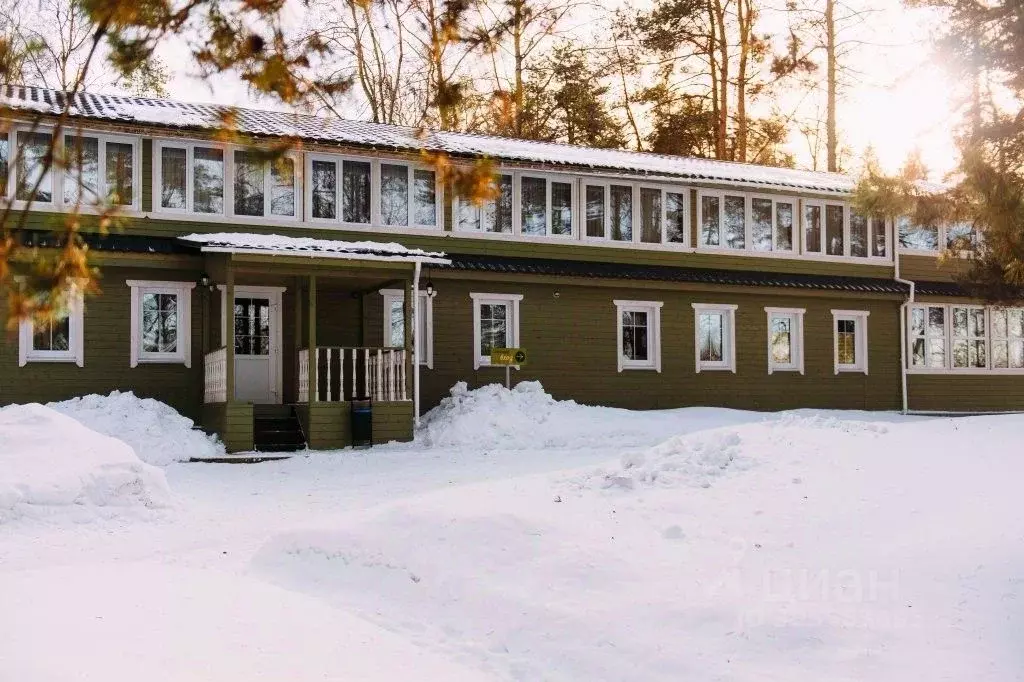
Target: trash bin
{"points": [[362, 422]]}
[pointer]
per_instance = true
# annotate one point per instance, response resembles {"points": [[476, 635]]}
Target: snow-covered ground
{"points": [[523, 538]]}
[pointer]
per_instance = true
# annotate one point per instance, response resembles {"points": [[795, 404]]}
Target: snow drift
{"points": [[50, 460], [527, 417], [156, 431]]}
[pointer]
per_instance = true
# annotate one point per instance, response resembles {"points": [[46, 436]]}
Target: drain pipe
{"points": [[903, 324], [416, 346]]}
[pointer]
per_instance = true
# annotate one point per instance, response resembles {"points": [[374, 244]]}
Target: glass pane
{"points": [[634, 335], [394, 194], [782, 336], [999, 323], [492, 327], [917, 357], [1015, 322], [621, 212], [846, 340], [1017, 354], [936, 320], [248, 184], [159, 323], [5, 160], [82, 182], [735, 222], [977, 354], [961, 355], [173, 173], [923, 238], [784, 226], [878, 242], [469, 216], [858, 235], [34, 148], [355, 192], [711, 337], [675, 218], [496, 216], [252, 326], [396, 324], [533, 209], [812, 228], [424, 197], [917, 322], [761, 224], [53, 336], [650, 215], [595, 211], [976, 322], [1000, 355], [834, 229], [282, 187], [959, 321], [960, 236], [710, 229], [120, 167], [561, 208], [325, 190], [207, 180], [936, 353]]}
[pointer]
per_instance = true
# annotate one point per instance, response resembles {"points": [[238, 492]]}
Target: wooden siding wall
{"points": [[967, 393], [107, 334], [929, 268], [571, 343]]}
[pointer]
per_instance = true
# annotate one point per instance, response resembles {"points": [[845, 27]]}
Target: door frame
{"points": [[276, 296]]}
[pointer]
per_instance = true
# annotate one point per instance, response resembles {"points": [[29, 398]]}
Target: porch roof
{"points": [[281, 245]]}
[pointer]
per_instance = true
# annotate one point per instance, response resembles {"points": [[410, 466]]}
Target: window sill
{"points": [[151, 360], [851, 370], [642, 368], [59, 359], [791, 370], [703, 368]]}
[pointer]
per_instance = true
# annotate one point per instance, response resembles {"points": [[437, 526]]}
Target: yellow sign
{"points": [[506, 357]]}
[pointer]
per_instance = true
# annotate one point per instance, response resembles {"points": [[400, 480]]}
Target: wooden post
{"points": [[314, 389], [229, 333], [409, 336], [205, 293]]}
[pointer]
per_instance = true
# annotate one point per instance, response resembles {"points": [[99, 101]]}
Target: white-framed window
{"points": [[927, 331], [714, 336], [30, 152], [722, 219], [189, 177], [59, 340], [262, 187], [5, 164], [850, 340], [925, 239], [639, 334], [825, 228], [161, 322], [785, 339], [771, 223], [546, 205], [968, 337], [637, 213], [495, 325], [1007, 338], [493, 216], [394, 323]]}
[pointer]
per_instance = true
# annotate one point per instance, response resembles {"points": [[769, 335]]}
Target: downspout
{"points": [[903, 320], [415, 346]]}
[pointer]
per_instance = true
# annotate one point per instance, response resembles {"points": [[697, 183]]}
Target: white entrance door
{"points": [[257, 339]]}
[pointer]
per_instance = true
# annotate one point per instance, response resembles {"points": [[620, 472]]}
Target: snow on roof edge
{"points": [[275, 244], [183, 115]]}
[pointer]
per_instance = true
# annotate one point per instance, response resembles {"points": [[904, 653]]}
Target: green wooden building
{"points": [[247, 293]]}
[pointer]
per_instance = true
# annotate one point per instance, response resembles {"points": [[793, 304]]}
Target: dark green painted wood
{"points": [[147, 175]]}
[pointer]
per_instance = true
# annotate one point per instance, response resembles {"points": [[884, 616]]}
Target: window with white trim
{"points": [[928, 336], [1007, 338], [100, 169], [722, 217], [915, 237], [161, 322], [638, 213], [493, 215], [968, 337], [714, 336], [264, 187], [771, 223], [495, 325], [850, 340], [639, 334], [394, 323], [33, 148], [785, 339], [545, 206], [5, 161], [188, 178], [58, 340]]}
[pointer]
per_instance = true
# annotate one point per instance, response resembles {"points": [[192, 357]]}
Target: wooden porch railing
{"points": [[345, 373], [215, 376]]}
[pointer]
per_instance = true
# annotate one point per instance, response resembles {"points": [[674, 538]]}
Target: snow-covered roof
{"points": [[333, 130], [280, 245]]}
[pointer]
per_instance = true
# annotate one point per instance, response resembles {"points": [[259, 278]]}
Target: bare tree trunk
{"points": [[517, 46], [627, 102], [722, 137], [831, 132], [745, 18]]}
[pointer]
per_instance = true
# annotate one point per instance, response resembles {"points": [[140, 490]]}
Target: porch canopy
{"points": [[234, 255]]}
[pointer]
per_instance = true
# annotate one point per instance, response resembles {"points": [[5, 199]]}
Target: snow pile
{"points": [[156, 431], [680, 460], [50, 460]]}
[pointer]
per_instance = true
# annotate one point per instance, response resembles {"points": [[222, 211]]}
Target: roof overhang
{"points": [[274, 245]]}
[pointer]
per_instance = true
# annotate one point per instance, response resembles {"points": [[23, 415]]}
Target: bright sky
{"points": [[902, 98]]}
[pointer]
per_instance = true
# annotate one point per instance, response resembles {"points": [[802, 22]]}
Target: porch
{"points": [[290, 342]]}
